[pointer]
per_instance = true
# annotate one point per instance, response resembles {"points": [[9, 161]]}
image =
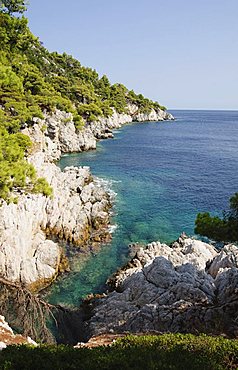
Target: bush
{"points": [[225, 229], [168, 351], [42, 186]]}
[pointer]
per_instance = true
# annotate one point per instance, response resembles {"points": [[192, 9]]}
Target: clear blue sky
{"points": [[183, 53]]}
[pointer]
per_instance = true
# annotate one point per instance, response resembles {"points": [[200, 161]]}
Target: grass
{"points": [[168, 351]]}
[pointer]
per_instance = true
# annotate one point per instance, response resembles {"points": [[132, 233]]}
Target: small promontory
{"points": [[187, 287]]}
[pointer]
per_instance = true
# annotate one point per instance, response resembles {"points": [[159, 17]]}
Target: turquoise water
{"points": [[163, 174]]}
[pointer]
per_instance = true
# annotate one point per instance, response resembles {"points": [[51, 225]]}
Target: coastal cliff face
{"points": [[78, 212], [61, 136], [78, 209], [103, 128], [186, 287]]}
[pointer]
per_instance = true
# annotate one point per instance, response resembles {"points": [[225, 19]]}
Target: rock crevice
{"points": [[172, 289], [31, 230]]}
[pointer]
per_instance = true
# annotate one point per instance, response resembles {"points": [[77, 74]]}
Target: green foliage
{"points": [[90, 111], [117, 98], [15, 171], [33, 81], [145, 105], [15, 36], [9, 81], [78, 122], [233, 213], [103, 88], [212, 227], [106, 109], [13, 6], [168, 351], [225, 229], [42, 186]]}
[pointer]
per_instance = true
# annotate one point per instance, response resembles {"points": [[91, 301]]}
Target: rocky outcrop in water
{"points": [[103, 128], [30, 231], [186, 287], [153, 115], [61, 136]]}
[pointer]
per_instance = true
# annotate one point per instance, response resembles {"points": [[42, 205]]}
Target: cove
{"points": [[163, 174]]}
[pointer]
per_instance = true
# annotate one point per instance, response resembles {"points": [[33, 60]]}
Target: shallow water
{"points": [[164, 173]]}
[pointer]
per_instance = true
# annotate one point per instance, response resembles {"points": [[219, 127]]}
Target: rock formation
{"points": [[61, 136], [77, 211], [8, 338], [30, 231], [103, 128], [186, 287]]}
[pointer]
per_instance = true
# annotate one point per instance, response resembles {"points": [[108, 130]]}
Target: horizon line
{"points": [[204, 109]]}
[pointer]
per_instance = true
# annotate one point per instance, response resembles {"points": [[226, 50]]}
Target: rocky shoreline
{"points": [[79, 211], [187, 287]]}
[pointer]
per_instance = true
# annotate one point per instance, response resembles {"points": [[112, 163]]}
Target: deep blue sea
{"points": [[163, 173]]}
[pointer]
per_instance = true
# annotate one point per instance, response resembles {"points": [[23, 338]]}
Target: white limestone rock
{"points": [[79, 204], [169, 288], [226, 259], [26, 255]]}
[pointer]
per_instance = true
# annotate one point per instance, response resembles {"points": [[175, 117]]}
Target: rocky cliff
{"points": [[61, 136], [103, 128], [186, 287], [78, 212]]}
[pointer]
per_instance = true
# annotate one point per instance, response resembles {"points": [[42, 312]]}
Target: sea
{"points": [[161, 174]]}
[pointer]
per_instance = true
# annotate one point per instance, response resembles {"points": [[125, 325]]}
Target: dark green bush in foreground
{"points": [[169, 351], [225, 229]]}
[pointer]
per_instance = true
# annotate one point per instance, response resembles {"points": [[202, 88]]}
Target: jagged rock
{"points": [[78, 210], [101, 129], [227, 258], [154, 115], [27, 255], [168, 289], [7, 337], [56, 134]]}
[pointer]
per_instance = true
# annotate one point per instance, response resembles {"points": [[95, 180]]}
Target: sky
{"points": [[182, 53]]}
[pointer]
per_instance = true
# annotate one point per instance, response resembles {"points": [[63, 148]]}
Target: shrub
{"points": [[168, 351], [225, 229], [42, 186]]}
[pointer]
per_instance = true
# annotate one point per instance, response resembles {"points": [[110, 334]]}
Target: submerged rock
{"points": [[170, 289]]}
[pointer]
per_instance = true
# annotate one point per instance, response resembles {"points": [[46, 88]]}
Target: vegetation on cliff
{"points": [[221, 229], [13, 6], [168, 351], [34, 81]]}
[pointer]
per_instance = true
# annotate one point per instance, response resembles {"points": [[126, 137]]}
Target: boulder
{"points": [[170, 289]]}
